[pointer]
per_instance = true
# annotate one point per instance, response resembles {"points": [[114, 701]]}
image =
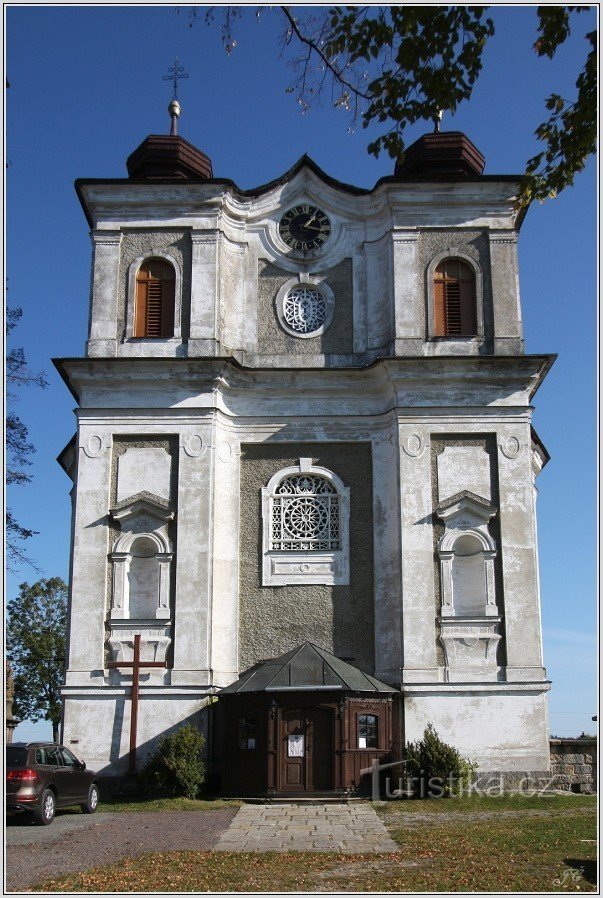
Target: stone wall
{"points": [[574, 764]]}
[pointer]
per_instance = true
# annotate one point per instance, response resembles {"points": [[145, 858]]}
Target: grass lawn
{"points": [[553, 851], [166, 804], [479, 803]]}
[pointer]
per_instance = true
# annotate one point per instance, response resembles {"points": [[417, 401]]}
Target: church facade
{"points": [[304, 469]]}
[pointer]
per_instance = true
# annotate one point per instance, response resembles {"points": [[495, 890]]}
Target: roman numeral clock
{"points": [[304, 227]]}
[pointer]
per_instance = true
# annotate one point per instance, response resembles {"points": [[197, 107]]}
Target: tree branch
{"points": [[314, 48]]}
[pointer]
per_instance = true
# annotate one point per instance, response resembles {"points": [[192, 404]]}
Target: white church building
{"points": [[304, 469]]}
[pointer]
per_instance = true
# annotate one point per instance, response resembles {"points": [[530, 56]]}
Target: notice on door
{"points": [[295, 746]]}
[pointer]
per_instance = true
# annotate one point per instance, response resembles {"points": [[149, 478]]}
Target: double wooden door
{"points": [[306, 756]]}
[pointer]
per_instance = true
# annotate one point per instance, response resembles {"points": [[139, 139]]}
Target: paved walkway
{"points": [[350, 828]]}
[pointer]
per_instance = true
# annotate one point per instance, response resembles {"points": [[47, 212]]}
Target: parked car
{"points": [[43, 776]]}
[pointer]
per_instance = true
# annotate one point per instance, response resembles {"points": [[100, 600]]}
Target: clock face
{"points": [[304, 227]]}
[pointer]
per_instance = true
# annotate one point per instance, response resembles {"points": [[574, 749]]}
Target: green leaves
{"points": [[398, 65], [36, 648], [429, 59], [570, 132], [176, 768]]}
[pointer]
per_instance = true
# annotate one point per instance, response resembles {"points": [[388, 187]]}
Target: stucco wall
{"points": [[340, 619], [339, 336], [136, 243]]}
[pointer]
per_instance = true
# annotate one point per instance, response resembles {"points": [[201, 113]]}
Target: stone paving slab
{"points": [[352, 829]]}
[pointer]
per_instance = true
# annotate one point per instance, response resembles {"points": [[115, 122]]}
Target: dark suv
{"points": [[43, 776]]}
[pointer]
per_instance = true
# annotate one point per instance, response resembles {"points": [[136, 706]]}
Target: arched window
{"points": [[455, 312], [305, 511], [305, 515], [155, 299]]}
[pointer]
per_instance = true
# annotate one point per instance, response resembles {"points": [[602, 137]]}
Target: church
{"points": [[304, 500]]}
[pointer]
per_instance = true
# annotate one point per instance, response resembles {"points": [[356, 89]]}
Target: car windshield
{"points": [[16, 756]]}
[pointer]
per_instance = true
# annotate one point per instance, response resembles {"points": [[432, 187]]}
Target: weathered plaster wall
{"points": [[136, 243], [159, 713], [339, 336], [337, 618], [500, 730]]}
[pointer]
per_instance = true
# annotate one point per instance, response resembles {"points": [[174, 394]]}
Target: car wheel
{"points": [[44, 814], [91, 803]]}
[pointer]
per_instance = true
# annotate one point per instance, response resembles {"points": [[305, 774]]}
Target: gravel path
{"points": [[75, 842]]}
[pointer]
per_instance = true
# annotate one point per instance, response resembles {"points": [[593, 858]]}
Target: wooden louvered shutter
{"points": [[452, 289], [155, 296], [439, 310], [467, 308], [455, 312]]}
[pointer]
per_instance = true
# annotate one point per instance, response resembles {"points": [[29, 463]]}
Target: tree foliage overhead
{"points": [[397, 65], [19, 449], [36, 646]]}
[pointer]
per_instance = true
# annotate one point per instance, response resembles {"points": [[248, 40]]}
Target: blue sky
{"points": [[86, 88]]}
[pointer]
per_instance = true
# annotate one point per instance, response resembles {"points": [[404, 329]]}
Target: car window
{"points": [[16, 756], [68, 759], [54, 757], [41, 756]]}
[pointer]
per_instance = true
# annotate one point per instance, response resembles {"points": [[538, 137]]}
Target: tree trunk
{"points": [[55, 730]]}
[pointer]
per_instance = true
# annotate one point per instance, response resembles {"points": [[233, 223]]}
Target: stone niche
{"points": [[141, 560], [469, 616]]}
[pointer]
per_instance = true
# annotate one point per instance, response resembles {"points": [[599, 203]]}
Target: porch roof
{"points": [[306, 667]]}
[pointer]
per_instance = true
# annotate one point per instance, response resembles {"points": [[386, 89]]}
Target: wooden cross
{"points": [[136, 665]]}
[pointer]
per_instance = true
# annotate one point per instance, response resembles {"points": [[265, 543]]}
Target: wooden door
{"points": [[306, 750], [293, 752], [320, 757]]}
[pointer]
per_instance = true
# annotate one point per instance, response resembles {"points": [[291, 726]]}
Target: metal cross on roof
{"points": [[174, 72]]}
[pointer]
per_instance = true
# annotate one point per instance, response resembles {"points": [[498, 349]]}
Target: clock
{"points": [[304, 227]]}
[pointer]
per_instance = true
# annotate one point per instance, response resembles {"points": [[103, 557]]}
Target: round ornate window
{"points": [[304, 309]]}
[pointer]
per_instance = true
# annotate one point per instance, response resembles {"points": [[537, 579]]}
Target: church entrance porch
{"points": [[303, 724]]}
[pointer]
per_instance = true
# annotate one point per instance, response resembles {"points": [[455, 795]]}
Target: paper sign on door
{"points": [[295, 746]]}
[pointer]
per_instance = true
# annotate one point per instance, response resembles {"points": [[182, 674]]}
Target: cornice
{"points": [[413, 382]]}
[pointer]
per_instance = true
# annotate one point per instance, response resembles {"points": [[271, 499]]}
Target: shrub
{"points": [[437, 768], [176, 769]]}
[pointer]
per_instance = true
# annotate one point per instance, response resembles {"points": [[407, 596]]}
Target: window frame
{"points": [[133, 270], [249, 719], [455, 252], [311, 283], [377, 729], [281, 567]]}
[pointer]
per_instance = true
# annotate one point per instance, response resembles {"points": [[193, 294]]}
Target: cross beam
{"points": [[136, 666]]}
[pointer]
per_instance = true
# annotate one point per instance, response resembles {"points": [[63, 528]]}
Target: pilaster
{"points": [[204, 337], [519, 556], [193, 559], [508, 330], [388, 560], [409, 318], [89, 566], [225, 568], [102, 340], [418, 582]]}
